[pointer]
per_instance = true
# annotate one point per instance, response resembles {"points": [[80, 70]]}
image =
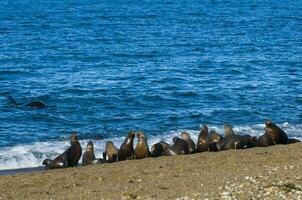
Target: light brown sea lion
{"points": [[159, 148], [203, 143], [180, 147], [186, 137], [126, 150], [69, 158], [278, 135], [141, 150], [214, 138], [88, 156], [111, 152]]}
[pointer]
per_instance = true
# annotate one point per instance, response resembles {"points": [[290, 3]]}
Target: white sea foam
{"points": [[32, 155]]}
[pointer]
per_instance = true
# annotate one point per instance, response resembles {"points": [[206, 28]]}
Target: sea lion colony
{"points": [[207, 141]]}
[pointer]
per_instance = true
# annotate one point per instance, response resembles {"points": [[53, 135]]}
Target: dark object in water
{"points": [[32, 104]]}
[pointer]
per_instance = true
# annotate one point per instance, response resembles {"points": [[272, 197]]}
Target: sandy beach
{"points": [[258, 173]]}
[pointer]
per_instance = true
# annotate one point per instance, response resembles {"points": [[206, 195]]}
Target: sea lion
{"points": [[111, 152], [159, 148], [88, 156], [235, 141], [214, 138], [265, 140], [141, 150], [68, 158], [278, 135], [32, 104], [126, 150], [203, 143], [180, 147], [186, 137]]}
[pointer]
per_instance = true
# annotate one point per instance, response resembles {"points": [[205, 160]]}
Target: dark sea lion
{"points": [[159, 148], [32, 104], [265, 140], [88, 156], [141, 150], [278, 135], [180, 147], [203, 142], [236, 141], [111, 152], [126, 150], [293, 140], [69, 158], [186, 137]]}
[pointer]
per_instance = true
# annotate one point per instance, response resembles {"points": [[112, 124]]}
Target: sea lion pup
{"points": [[203, 143], [111, 152], [141, 150], [88, 156], [32, 104], [126, 150], [69, 158], [180, 147], [159, 148], [186, 137], [278, 135]]}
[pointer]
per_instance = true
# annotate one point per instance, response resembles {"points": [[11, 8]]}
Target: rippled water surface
{"points": [[106, 67]]}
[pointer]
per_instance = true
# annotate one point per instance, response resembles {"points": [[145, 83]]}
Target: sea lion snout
{"points": [[268, 123]]}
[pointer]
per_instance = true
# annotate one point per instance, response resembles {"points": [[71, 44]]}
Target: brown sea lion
{"points": [[70, 158], [186, 137], [88, 156], [141, 150], [180, 147], [214, 138], [278, 135], [111, 152], [159, 148], [203, 143], [126, 150], [32, 104]]}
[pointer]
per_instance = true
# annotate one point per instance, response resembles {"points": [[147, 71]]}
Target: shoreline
{"points": [[271, 172]]}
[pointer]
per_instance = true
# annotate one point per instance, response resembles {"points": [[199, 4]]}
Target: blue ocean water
{"points": [[107, 67]]}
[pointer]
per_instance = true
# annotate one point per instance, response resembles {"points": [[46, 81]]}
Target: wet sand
{"points": [[258, 173]]}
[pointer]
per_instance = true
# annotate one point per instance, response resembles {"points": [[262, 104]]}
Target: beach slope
{"points": [[272, 173]]}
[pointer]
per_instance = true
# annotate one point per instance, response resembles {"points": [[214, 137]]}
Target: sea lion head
{"points": [[185, 135], [130, 137], [109, 144], [204, 130], [175, 139], [228, 130], [270, 127], [141, 136], [73, 138], [89, 146], [46, 162]]}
